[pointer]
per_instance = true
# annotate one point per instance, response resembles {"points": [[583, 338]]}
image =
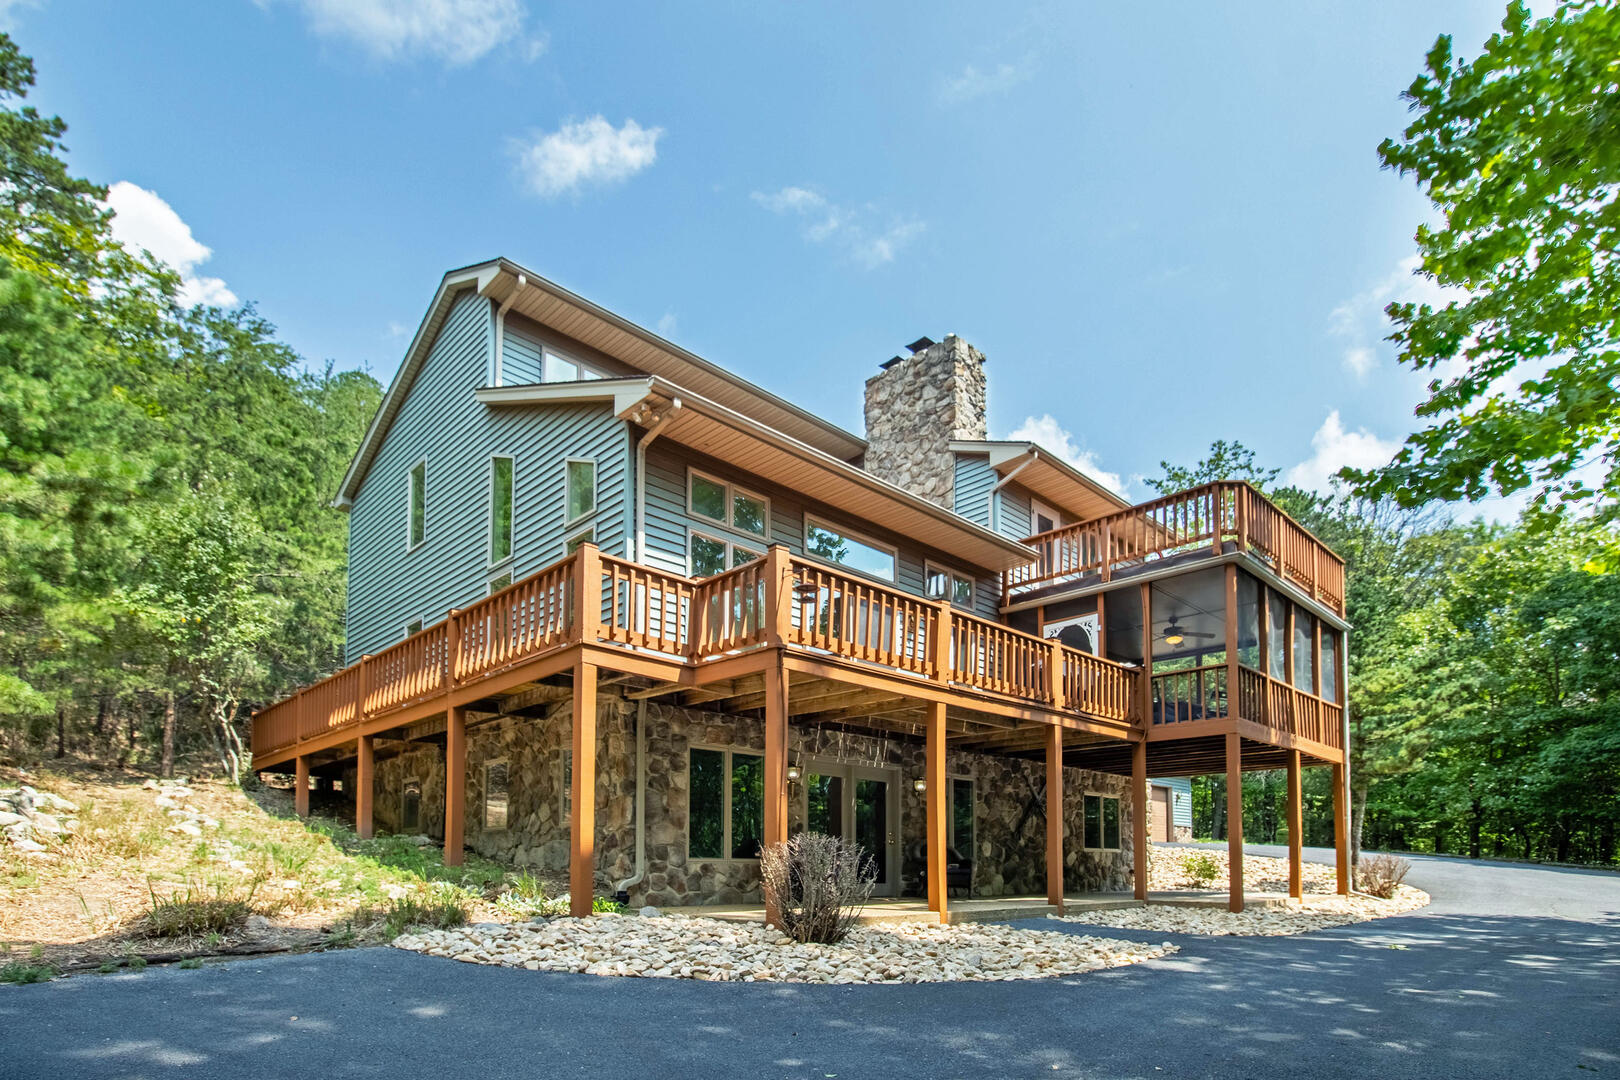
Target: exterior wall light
{"points": [[793, 774], [919, 785]]}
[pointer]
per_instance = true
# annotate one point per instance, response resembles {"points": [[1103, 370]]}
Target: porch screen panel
{"points": [[1330, 664], [1277, 637], [1304, 632]]}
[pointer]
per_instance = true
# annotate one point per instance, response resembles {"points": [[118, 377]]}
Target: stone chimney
{"points": [[915, 406]]}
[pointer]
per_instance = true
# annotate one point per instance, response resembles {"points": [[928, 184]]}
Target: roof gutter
{"points": [[995, 504]]}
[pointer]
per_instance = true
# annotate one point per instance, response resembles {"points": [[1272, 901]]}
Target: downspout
{"points": [[499, 378], [638, 552], [1003, 482], [621, 891]]}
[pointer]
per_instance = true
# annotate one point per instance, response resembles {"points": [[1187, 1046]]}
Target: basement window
{"points": [[495, 794], [410, 807], [1102, 823], [726, 805], [959, 816]]}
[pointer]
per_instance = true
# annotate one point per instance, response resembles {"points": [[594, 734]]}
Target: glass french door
{"points": [[861, 805]]}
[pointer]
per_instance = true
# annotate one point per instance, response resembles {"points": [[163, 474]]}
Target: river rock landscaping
{"points": [[675, 947]]}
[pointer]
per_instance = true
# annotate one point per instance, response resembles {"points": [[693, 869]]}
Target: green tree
{"points": [[1519, 150], [1226, 461]]}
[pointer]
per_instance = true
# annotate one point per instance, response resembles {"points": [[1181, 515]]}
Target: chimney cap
{"points": [[920, 344], [889, 363]]}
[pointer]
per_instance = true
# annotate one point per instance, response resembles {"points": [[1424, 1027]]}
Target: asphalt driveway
{"points": [[1513, 972]]}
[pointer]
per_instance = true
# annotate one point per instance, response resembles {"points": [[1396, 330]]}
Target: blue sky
{"points": [[1163, 223]]}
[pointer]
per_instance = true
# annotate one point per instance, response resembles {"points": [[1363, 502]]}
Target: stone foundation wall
{"points": [[1009, 803]]}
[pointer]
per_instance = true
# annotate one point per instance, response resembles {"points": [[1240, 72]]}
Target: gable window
{"points": [[500, 510], [413, 627], [849, 549], [581, 493], [556, 367], [726, 808], [712, 555], [942, 583], [410, 807], [727, 504], [416, 505], [495, 794], [1102, 822]]}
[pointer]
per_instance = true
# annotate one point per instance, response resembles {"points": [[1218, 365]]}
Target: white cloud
{"points": [[142, 220], [973, 83], [846, 227], [1334, 448], [9, 9], [587, 152], [1046, 432], [666, 325], [454, 31], [1360, 321]]}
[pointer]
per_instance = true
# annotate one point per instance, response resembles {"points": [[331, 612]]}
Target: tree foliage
{"points": [[165, 537], [1519, 150]]}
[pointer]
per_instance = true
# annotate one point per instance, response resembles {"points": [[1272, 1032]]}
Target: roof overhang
{"points": [[568, 313], [1048, 476], [722, 433]]}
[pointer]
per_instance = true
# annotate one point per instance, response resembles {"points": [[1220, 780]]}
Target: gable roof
{"points": [[548, 303], [1047, 475]]}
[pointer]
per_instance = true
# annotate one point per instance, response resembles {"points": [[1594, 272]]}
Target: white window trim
{"points": [[930, 568], [725, 802], [484, 823], [547, 351], [1102, 832], [403, 788], [409, 632], [511, 526], [490, 588], [730, 545], [894, 552], [596, 491], [732, 491], [409, 546]]}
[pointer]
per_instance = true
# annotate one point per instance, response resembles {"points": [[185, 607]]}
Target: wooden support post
{"points": [[582, 794], [1296, 828], [588, 595], [779, 598], [455, 783], [1102, 625], [1139, 826], [1146, 692], [1054, 817], [301, 786], [1234, 821], [776, 725], [1233, 678], [363, 769], [934, 810], [1341, 829], [939, 648]]}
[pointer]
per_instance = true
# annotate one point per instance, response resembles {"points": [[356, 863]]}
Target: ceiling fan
{"points": [[1175, 635]]}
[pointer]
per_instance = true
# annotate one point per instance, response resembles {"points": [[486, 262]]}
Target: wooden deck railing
{"points": [[1202, 520], [1197, 693], [779, 599], [1288, 709]]}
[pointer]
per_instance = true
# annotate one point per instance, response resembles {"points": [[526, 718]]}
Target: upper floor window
{"points": [[416, 505], [581, 495], [711, 554], [727, 504], [841, 546], [942, 583], [500, 510], [555, 367], [413, 627]]}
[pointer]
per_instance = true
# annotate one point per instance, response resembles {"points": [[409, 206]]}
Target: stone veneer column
{"points": [[915, 407]]}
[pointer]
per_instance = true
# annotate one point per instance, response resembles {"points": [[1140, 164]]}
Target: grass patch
{"points": [[33, 970], [439, 910], [190, 913], [191, 963]]}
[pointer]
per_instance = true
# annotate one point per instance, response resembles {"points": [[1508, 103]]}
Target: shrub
{"points": [[441, 909], [192, 914], [1379, 875], [1201, 869], [818, 884]]}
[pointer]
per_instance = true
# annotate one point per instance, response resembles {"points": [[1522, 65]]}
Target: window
{"points": [[726, 808], [559, 368], [567, 784], [495, 794], [497, 583], [586, 537], [500, 510], [960, 817], [1304, 666], [942, 583], [413, 627], [1102, 822], [581, 496], [1042, 518], [410, 807], [711, 555], [416, 516], [847, 549], [727, 504]]}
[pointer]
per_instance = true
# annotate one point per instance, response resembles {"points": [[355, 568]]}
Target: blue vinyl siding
{"points": [[440, 421], [520, 359], [668, 522], [1012, 513], [974, 479], [1180, 799]]}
